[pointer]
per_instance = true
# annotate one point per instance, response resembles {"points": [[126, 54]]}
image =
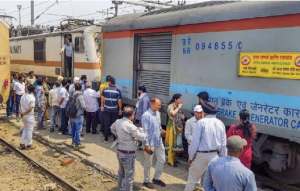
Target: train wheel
{"points": [[290, 175]]}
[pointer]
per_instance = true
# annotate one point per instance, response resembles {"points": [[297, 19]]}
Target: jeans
{"points": [[76, 126], [18, 100], [28, 121], [69, 66], [91, 120], [63, 121], [126, 171], [159, 153], [9, 106], [55, 110], [41, 112], [109, 119]]}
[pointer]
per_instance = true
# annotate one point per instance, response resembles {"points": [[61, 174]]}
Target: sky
{"points": [[58, 11]]}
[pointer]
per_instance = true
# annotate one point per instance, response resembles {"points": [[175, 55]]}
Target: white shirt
{"points": [[209, 135], [63, 93], [71, 88], [19, 88], [68, 49], [27, 101], [90, 97], [53, 97], [190, 127]]}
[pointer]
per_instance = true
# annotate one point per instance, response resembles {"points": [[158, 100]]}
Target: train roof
{"points": [[205, 12], [90, 28]]}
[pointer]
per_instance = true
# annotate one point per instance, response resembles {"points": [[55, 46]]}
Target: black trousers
{"points": [[91, 120], [109, 118], [69, 66]]}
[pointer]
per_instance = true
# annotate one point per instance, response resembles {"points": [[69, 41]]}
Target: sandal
{"points": [[174, 165]]}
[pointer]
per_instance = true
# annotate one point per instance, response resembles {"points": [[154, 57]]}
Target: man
{"points": [[76, 122], [209, 140], [191, 124], [35, 84], [142, 105], [228, 173], [127, 135], [30, 79], [83, 80], [10, 101], [19, 90], [40, 103], [63, 97], [69, 51], [203, 96], [111, 105], [101, 88], [91, 102], [72, 86], [53, 103], [46, 90], [27, 104], [151, 124]]}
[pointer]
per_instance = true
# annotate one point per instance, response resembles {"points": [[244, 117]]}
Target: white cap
{"points": [[198, 108], [76, 79]]}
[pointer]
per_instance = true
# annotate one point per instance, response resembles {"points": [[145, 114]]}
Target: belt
{"points": [[126, 152], [211, 151]]}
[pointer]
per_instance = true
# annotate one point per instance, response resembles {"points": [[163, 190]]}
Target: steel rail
{"points": [[64, 183], [275, 184]]}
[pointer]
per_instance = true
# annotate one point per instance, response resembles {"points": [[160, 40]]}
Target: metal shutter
{"points": [[155, 60]]}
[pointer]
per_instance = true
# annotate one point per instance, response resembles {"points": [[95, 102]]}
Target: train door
{"points": [[79, 56], [67, 72], [152, 66]]}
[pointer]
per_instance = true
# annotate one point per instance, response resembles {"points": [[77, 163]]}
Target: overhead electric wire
{"points": [[46, 9], [72, 8], [30, 6]]}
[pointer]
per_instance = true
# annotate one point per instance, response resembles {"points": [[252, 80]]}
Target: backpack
{"points": [[71, 109]]}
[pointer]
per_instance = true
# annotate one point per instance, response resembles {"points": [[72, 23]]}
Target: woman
{"points": [[248, 132], [174, 131], [27, 104]]}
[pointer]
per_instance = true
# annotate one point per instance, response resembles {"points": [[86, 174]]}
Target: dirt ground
{"points": [[16, 174]]}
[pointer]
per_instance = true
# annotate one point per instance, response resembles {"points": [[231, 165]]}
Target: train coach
{"points": [[244, 54], [4, 63], [40, 52]]}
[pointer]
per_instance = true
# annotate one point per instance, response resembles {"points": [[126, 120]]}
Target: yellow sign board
{"points": [[270, 64]]}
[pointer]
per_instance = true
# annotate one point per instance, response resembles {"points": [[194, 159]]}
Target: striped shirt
{"points": [[111, 95], [209, 135]]}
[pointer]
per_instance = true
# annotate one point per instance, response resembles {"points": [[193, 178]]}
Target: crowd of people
{"points": [[211, 152]]}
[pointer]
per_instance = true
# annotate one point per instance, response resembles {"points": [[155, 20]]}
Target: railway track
{"points": [[47, 172], [273, 184]]}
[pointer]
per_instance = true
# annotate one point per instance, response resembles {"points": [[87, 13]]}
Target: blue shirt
{"points": [[151, 124], [68, 49], [228, 173], [35, 84], [39, 96], [144, 105], [112, 95]]}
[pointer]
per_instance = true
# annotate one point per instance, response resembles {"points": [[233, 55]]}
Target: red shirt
{"points": [[246, 156]]}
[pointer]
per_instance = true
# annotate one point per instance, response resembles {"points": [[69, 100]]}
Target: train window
{"points": [[39, 50], [98, 44], [79, 46]]}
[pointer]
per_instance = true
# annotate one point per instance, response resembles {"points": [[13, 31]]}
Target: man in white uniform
{"points": [[27, 104]]}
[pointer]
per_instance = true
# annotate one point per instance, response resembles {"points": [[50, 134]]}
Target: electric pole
{"points": [[19, 7], [116, 3], [32, 12]]}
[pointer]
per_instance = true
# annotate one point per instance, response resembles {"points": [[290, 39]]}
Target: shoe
{"points": [[174, 165], [51, 130], [176, 162], [41, 128], [66, 133], [96, 132], [56, 126], [70, 135], [22, 146], [80, 146], [106, 142], [59, 129], [198, 189], [81, 135], [73, 144], [10, 116], [30, 147], [159, 182], [149, 185]]}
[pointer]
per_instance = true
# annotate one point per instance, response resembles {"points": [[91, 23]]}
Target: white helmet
{"points": [[76, 79]]}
